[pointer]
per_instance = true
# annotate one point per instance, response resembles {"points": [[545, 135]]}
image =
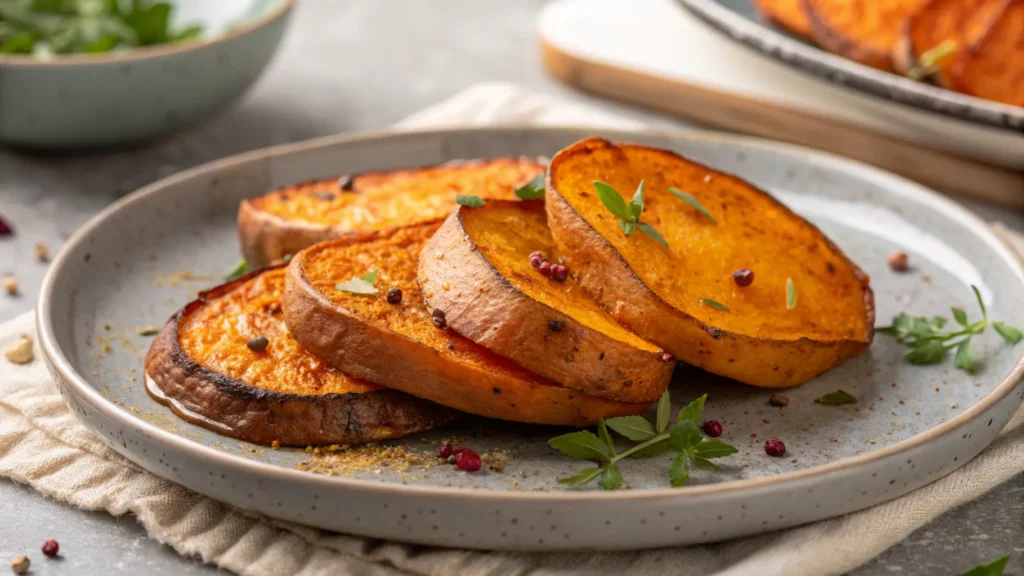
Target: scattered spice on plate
{"points": [[555, 326], [345, 183], [712, 428], [275, 444], [11, 285], [779, 400], [148, 331], [20, 351], [42, 252], [437, 317], [743, 277], [51, 548], [899, 261], [774, 447]]}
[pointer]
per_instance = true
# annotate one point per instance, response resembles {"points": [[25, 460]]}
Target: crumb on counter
{"points": [[42, 252], [20, 351], [11, 285]]}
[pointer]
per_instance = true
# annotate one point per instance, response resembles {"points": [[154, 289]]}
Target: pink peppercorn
{"points": [[445, 451], [666, 357], [743, 277], [713, 428], [545, 269], [774, 447], [5, 228], [559, 273], [51, 548], [467, 460], [536, 258]]}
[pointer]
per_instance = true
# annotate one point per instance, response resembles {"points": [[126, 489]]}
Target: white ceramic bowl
{"points": [[81, 100]]}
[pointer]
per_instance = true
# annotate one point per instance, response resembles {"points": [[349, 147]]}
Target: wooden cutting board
{"points": [[654, 54]]}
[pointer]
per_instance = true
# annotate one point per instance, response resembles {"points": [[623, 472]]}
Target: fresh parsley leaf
{"points": [[582, 477], [636, 428], [612, 201], [652, 232], [692, 202], [993, 568], [926, 352], [611, 478], [664, 411], [712, 448], [583, 444], [684, 436], [701, 462], [1009, 333], [602, 432], [627, 227], [469, 200], [790, 294], [370, 277], [20, 43], [837, 398], [693, 412], [679, 473], [714, 304], [927, 63], [239, 270], [357, 286], [964, 359], [636, 205], [651, 451], [532, 189], [960, 316]]}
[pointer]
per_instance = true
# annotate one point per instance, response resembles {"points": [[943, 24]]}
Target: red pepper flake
{"points": [[743, 277], [899, 261], [754, 435]]}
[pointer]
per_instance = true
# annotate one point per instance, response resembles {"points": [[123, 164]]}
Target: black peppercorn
{"points": [[345, 183], [555, 326], [437, 317], [394, 295], [258, 344]]}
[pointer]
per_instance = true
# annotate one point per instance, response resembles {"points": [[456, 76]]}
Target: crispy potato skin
{"points": [[788, 14], [397, 345], [476, 268], [758, 341], [993, 67], [286, 220], [298, 403], [865, 31], [936, 21]]}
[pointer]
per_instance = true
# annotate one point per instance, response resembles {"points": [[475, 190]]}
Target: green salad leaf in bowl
{"points": [[44, 27]]}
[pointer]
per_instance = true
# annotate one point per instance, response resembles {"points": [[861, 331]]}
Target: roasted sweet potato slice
{"points": [[937, 22], [287, 220], [862, 30], [401, 346], [788, 14], [201, 367], [477, 269], [684, 297], [993, 67]]}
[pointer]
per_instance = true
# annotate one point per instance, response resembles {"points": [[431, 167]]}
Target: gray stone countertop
{"points": [[348, 66]]}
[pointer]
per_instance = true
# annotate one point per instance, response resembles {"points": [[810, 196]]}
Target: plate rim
{"points": [[77, 384], [839, 71]]}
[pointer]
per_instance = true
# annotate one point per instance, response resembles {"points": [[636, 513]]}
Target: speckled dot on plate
{"points": [[838, 460]]}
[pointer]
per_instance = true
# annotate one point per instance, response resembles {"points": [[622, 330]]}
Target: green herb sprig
{"points": [[469, 200], [237, 271], [654, 439], [929, 343], [837, 398], [627, 213], [993, 568], [928, 62], [362, 285], [532, 189], [692, 202]]}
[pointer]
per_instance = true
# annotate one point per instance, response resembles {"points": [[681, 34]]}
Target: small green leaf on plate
{"points": [[926, 352], [602, 432], [583, 444], [714, 304], [1009, 333], [612, 200], [694, 412], [711, 448], [582, 477], [993, 568], [636, 428], [664, 411], [684, 436], [692, 202], [239, 270], [469, 200], [611, 478], [981, 303], [627, 227], [636, 205], [679, 473], [652, 232], [960, 316], [532, 189], [370, 277], [651, 451], [701, 462], [964, 358], [837, 398]]}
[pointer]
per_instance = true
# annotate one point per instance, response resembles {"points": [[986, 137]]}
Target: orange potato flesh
{"points": [[398, 345], [993, 68], [939, 21], [658, 291], [866, 31], [786, 13], [216, 336]]}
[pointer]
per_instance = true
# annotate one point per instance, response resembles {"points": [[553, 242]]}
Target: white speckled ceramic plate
{"points": [[141, 259]]}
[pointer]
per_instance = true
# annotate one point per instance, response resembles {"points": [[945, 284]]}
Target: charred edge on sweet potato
{"points": [[237, 409]]}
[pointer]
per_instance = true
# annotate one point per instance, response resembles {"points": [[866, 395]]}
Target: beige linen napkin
{"points": [[43, 446]]}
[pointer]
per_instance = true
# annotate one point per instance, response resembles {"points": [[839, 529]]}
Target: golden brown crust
{"points": [[788, 14], [963, 22], [397, 346], [993, 67], [864, 31], [288, 219], [761, 359], [476, 268], [264, 415]]}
